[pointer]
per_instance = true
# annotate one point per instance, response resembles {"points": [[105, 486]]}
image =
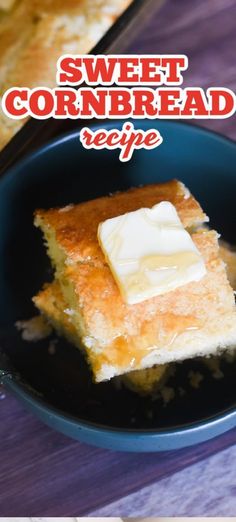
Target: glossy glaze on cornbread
{"points": [[196, 319], [74, 228], [52, 305]]}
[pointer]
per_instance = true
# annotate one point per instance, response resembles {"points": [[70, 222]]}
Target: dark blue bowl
{"points": [[59, 388]]}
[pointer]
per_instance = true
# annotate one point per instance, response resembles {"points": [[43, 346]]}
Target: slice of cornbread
{"points": [[196, 319], [52, 305]]}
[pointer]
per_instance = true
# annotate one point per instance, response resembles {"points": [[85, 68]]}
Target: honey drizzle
{"points": [[178, 262], [127, 353]]}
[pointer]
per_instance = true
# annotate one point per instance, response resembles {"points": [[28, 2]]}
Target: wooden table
{"points": [[43, 473]]}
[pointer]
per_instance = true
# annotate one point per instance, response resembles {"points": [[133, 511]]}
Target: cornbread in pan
{"points": [[196, 319], [35, 33]]}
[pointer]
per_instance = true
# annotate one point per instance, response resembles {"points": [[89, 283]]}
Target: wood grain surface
{"points": [[43, 473], [204, 30], [206, 488]]}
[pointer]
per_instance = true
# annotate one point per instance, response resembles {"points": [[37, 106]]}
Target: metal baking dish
{"points": [[37, 132]]}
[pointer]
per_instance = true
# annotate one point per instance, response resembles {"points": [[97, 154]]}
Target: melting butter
{"points": [[149, 252], [176, 264]]}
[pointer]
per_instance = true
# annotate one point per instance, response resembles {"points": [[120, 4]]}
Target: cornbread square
{"points": [[52, 305], [50, 302], [196, 319]]}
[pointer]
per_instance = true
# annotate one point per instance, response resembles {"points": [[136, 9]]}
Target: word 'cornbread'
{"points": [[197, 319], [35, 33]]}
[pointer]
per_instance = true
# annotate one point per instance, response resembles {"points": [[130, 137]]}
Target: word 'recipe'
{"points": [[127, 139]]}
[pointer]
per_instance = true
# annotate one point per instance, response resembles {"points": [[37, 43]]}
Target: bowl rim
{"points": [[30, 397]]}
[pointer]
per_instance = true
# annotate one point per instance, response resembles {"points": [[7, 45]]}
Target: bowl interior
{"points": [[64, 172]]}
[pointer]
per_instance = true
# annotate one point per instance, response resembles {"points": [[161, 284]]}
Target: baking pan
{"points": [[115, 41]]}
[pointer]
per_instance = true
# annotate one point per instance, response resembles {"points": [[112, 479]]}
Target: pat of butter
{"points": [[149, 252]]}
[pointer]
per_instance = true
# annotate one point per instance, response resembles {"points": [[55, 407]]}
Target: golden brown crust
{"points": [[76, 227], [192, 320], [127, 333], [51, 303]]}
